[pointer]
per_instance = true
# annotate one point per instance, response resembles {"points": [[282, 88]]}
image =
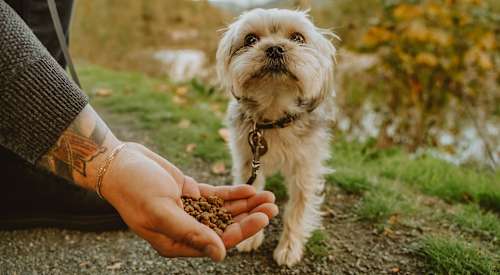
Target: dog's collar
{"points": [[282, 122], [257, 142]]}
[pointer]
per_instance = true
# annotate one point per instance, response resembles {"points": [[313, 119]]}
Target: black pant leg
{"points": [[36, 14]]}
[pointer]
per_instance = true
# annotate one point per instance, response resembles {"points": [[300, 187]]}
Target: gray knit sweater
{"points": [[37, 100]]}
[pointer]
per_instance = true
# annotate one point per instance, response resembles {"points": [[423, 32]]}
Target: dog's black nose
{"points": [[275, 52]]}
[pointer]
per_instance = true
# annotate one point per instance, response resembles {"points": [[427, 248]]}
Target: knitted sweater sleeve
{"points": [[37, 100]]}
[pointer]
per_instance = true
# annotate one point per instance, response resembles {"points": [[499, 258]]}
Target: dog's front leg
{"points": [[241, 173], [302, 212]]}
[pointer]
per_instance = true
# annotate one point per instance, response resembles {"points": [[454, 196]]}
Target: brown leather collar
{"points": [[282, 122]]}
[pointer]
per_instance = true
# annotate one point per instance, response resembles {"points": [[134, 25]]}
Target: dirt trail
{"points": [[355, 249]]}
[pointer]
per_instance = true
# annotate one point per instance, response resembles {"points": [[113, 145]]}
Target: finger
{"points": [[270, 209], [190, 188], [247, 227], [246, 205], [176, 224], [240, 217], [227, 192]]}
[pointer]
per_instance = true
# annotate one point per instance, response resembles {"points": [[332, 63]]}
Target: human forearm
{"points": [[81, 149], [37, 100]]}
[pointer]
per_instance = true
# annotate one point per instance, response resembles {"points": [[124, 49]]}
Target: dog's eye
{"points": [[297, 37], [251, 39]]}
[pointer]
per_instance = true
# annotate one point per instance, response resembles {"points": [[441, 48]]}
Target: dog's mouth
{"points": [[274, 68]]}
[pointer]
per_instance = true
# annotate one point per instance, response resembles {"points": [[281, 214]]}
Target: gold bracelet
{"points": [[104, 168]]}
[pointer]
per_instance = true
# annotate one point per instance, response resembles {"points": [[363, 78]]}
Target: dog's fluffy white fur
{"points": [[302, 84]]}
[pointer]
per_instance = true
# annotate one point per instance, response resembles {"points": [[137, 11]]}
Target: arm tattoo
{"points": [[77, 146]]}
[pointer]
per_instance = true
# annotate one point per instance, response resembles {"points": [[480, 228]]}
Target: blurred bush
{"points": [[435, 56], [346, 18]]}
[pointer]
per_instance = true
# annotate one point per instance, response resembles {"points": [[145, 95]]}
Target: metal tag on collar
{"points": [[257, 141], [258, 146]]}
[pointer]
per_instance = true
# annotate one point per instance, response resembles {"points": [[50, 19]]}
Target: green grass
{"points": [[449, 182], [275, 185], [472, 218], [388, 182], [156, 114], [454, 256], [357, 165], [352, 182], [317, 244], [384, 200], [378, 205]]}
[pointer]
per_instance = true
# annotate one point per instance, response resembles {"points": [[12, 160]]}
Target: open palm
{"points": [[146, 190]]}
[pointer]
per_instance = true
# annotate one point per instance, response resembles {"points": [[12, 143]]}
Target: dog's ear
{"points": [[328, 48], [328, 36], [223, 55]]}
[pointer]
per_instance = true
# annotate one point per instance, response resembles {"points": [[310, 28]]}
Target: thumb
{"points": [[176, 224]]}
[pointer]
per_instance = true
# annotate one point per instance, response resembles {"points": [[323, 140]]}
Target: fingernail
{"points": [[274, 197], [276, 210]]}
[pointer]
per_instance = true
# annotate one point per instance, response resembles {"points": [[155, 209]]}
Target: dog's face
{"points": [[276, 51]]}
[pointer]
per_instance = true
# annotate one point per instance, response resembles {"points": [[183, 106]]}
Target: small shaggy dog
{"points": [[279, 68]]}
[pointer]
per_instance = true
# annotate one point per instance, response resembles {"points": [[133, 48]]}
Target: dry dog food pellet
{"points": [[209, 211]]}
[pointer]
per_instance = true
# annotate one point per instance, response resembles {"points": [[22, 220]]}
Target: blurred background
{"points": [[420, 74], [416, 142]]}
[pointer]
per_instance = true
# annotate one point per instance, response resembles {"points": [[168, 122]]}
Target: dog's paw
{"points": [[251, 243], [288, 253]]}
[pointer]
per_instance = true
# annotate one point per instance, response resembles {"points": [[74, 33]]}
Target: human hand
{"points": [[146, 190]]}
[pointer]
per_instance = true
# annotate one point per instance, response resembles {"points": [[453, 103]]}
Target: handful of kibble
{"points": [[209, 212]]}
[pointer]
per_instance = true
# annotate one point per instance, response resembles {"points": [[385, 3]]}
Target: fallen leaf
{"points": [[395, 270], [215, 107], [218, 168], [179, 100], [190, 147], [103, 92], [224, 134], [162, 88], [181, 91], [377, 35], [428, 59], [388, 232], [114, 266], [466, 197], [184, 123], [393, 219], [484, 61], [405, 11]]}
